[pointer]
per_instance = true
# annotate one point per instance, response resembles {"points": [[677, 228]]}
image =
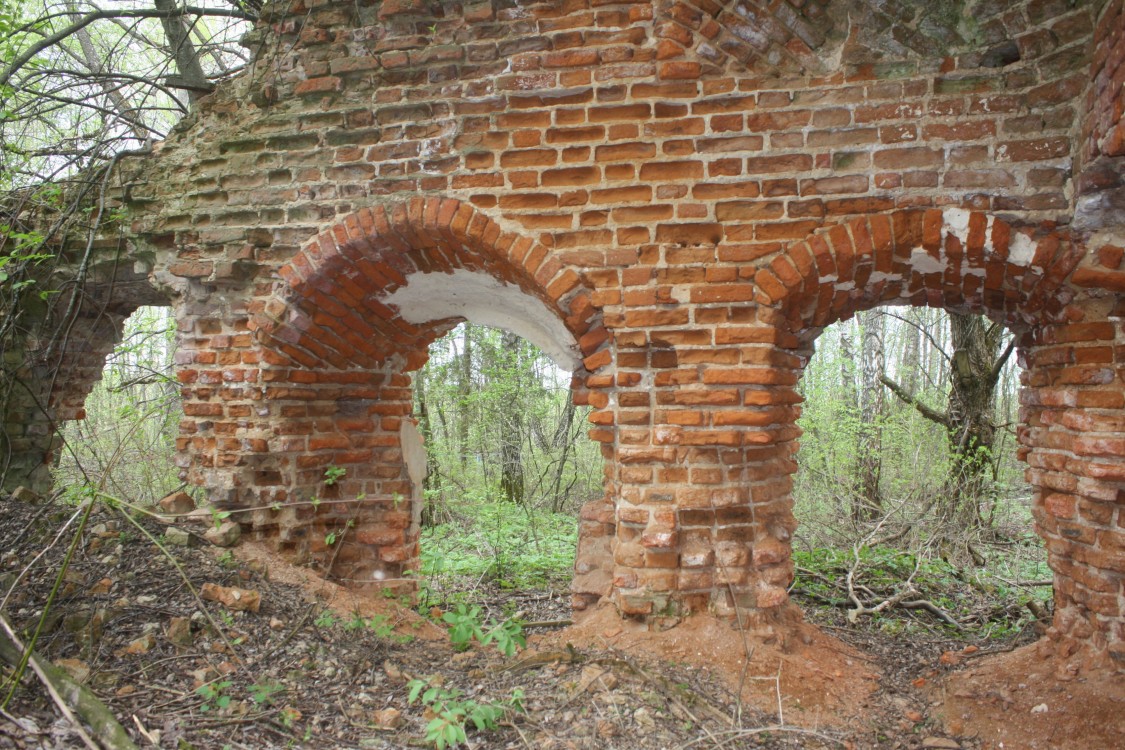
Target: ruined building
{"points": [[673, 196]]}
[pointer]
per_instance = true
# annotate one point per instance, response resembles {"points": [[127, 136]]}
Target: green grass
{"points": [[509, 545]]}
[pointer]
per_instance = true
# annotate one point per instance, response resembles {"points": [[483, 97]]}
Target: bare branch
{"points": [[929, 413], [97, 15], [1001, 361]]}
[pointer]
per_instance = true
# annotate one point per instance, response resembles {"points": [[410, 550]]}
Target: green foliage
{"points": [[498, 421], [334, 474], [214, 695], [913, 456], [263, 693], [452, 713], [515, 547], [128, 438], [466, 625], [380, 625]]}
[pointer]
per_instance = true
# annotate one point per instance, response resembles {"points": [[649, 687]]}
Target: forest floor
{"points": [[317, 666]]}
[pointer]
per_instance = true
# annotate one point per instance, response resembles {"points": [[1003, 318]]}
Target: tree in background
{"points": [[914, 468], [499, 422], [127, 442], [869, 500], [969, 419], [84, 85]]}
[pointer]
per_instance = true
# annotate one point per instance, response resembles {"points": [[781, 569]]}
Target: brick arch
{"points": [[1072, 409], [63, 355], [769, 38], [335, 358], [951, 258], [329, 306]]}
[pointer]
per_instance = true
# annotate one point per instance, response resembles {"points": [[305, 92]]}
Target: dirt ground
{"points": [[318, 666]]}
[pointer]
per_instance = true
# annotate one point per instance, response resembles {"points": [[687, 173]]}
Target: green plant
{"points": [[452, 713], [218, 516], [381, 626], [334, 474], [330, 538], [513, 548], [226, 559], [507, 635], [263, 693], [325, 619], [214, 695], [465, 625]]}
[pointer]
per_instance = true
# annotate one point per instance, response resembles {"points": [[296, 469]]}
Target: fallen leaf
{"points": [[232, 597]]}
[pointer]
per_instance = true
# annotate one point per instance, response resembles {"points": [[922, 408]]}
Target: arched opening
{"points": [[124, 440], [909, 478], [509, 465], [1071, 401], [57, 355], [326, 458]]}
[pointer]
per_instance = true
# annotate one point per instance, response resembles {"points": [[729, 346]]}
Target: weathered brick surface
{"points": [[694, 189]]}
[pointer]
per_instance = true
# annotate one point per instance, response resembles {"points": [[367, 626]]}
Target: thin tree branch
{"points": [[98, 15], [921, 329], [1002, 360], [929, 413]]}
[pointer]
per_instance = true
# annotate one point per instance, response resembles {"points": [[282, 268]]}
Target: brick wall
{"points": [[693, 190], [60, 351]]}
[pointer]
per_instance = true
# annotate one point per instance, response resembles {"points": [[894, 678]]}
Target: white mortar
{"points": [[480, 298]]}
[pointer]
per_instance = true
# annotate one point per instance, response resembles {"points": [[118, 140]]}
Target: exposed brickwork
{"points": [[1098, 185], [65, 342], [694, 190]]}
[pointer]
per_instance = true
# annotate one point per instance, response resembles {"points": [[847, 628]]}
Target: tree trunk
{"points": [[911, 363], [968, 419], [511, 437], [429, 517], [972, 403], [465, 392], [184, 53], [868, 502], [562, 440]]}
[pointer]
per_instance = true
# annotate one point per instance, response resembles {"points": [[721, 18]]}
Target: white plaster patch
{"points": [[482, 299], [1021, 249], [681, 293], [923, 262], [957, 223]]}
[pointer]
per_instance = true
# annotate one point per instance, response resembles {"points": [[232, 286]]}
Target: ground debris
{"points": [[292, 672]]}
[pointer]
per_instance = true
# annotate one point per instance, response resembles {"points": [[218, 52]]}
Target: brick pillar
{"points": [[700, 467], [46, 377], [1072, 417], [28, 439], [265, 421]]}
